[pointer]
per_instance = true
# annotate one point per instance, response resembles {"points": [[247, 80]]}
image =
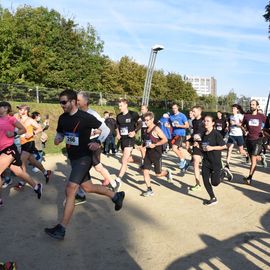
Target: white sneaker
{"points": [[169, 175]]}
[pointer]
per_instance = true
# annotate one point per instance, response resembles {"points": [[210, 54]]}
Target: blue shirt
{"points": [[179, 119], [166, 130]]}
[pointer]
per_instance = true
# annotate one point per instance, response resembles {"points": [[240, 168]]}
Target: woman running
{"points": [[212, 144], [9, 155]]}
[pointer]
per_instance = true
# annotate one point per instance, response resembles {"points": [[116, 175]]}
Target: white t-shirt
{"points": [[234, 129]]}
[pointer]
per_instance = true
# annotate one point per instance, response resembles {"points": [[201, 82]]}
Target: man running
{"points": [[179, 124], [197, 153], [127, 123], [100, 135], [253, 123], [153, 140], [75, 126]]}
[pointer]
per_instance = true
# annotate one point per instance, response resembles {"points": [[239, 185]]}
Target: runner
{"points": [[179, 124], [110, 140], [198, 131], [143, 127], [235, 137], [28, 143], [9, 156], [96, 135], [154, 138], [212, 144], [221, 124], [165, 127], [75, 126], [253, 123], [127, 123]]}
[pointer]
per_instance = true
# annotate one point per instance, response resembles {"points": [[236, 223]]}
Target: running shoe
{"points": [[247, 180], [228, 173], [1, 203], [118, 200], [19, 186], [263, 161], [7, 182], [57, 232], [35, 170], [195, 188], [38, 190], [79, 200], [148, 193], [182, 164], [48, 176], [210, 202], [169, 175]]}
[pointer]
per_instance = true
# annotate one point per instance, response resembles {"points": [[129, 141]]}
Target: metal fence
{"points": [[23, 93]]}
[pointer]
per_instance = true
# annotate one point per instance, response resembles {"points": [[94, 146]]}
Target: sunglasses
{"points": [[63, 102]]}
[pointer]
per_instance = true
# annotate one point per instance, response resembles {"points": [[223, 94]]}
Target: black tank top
{"points": [[150, 138]]}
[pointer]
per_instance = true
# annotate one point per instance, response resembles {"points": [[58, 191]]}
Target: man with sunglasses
{"points": [[75, 126]]}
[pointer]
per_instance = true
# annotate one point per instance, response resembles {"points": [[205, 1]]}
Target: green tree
{"points": [[267, 16]]}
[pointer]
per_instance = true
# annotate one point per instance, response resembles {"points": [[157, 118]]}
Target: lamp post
{"points": [[149, 73]]}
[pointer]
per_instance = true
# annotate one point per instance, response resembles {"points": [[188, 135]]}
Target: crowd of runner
{"points": [[197, 141]]}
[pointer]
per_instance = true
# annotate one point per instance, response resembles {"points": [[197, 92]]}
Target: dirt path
{"points": [[171, 230]]}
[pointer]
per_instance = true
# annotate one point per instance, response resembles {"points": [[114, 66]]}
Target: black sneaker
{"points": [[57, 232], [48, 176], [39, 190], [119, 200], [212, 201], [247, 180], [79, 199]]}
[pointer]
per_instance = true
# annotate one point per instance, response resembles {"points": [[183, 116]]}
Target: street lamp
{"points": [[149, 73]]}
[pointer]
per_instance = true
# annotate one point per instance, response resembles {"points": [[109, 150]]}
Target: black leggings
{"points": [[214, 174]]}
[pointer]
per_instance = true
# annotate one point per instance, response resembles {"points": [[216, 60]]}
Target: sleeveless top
{"points": [[151, 138], [29, 130]]}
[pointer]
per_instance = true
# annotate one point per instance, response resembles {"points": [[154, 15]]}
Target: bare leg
{"points": [[196, 163]]}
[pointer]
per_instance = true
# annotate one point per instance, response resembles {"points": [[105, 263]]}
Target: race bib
{"points": [[174, 123], [72, 138], [254, 122], [148, 143], [124, 131]]}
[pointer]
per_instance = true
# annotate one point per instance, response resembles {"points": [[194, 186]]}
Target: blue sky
{"points": [[225, 39]]}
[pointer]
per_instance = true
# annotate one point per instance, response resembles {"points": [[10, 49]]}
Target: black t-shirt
{"points": [[111, 124], [214, 138], [220, 124], [127, 123], [198, 127], [77, 130]]}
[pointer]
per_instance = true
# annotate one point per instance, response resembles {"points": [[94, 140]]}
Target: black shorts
{"points": [[127, 142], [29, 147], [80, 170], [155, 159], [197, 151], [178, 140], [254, 147], [96, 156], [12, 150]]}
